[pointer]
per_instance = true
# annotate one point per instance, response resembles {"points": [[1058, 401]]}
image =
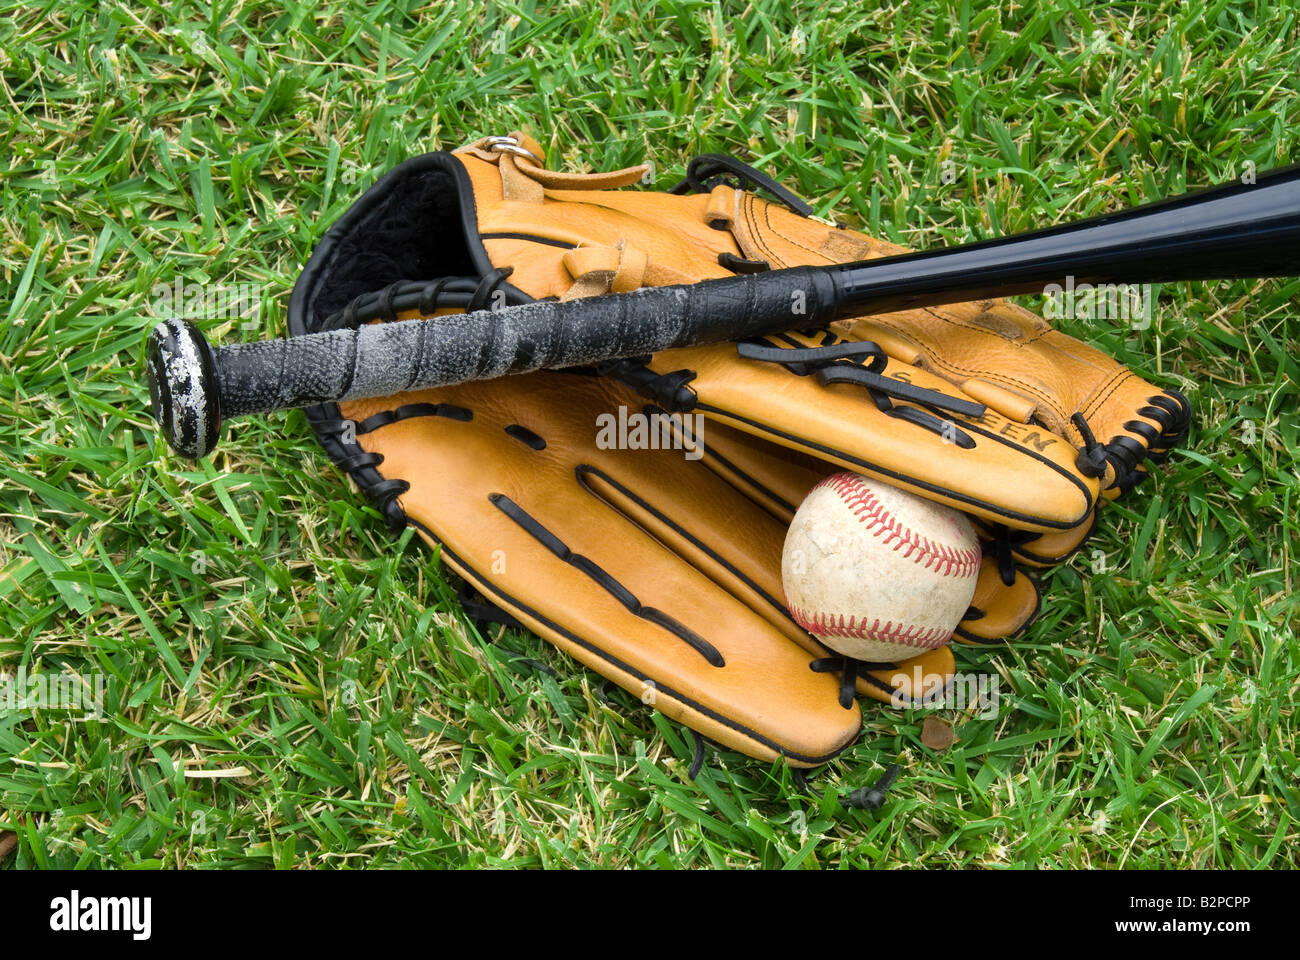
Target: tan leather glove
{"points": [[660, 572]]}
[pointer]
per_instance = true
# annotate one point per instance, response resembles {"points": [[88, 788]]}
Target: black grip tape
{"points": [[378, 360], [277, 374]]}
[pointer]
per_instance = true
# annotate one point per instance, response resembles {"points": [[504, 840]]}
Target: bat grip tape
{"points": [[379, 360]]}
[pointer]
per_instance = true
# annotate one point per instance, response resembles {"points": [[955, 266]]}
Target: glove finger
{"points": [[910, 682], [1016, 363], [1038, 549], [999, 611], [1021, 476]]}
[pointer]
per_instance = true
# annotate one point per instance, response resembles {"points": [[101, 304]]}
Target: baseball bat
{"points": [[1233, 231]]}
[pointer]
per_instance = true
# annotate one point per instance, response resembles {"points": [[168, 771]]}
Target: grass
{"points": [[289, 686]]}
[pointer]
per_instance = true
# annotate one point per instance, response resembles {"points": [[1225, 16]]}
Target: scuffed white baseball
{"points": [[875, 573]]}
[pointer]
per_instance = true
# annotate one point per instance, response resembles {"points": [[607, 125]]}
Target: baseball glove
{"points": [[657, 562]]}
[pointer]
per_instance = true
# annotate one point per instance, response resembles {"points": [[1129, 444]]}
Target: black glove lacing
{"points": [[1124, 454], [339, 434], [863, 798], [708, 170], [862, 363]]}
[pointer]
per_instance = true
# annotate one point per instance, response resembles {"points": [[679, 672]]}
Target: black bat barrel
{"points": [[1221, 233]]}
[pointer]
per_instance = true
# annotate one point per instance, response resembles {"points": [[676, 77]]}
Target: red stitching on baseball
{"points": [[945, 560], [837, 625]]}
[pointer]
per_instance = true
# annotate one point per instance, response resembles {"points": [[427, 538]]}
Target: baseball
{"points": [[875, 573]]}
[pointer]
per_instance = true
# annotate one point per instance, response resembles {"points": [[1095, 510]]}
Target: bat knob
{"points": [[183, 392]]}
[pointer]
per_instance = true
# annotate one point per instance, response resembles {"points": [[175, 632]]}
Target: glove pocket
{"points": [[526, 508]]}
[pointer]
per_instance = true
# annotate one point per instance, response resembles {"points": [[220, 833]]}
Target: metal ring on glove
{"points": [[511, 145]]}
